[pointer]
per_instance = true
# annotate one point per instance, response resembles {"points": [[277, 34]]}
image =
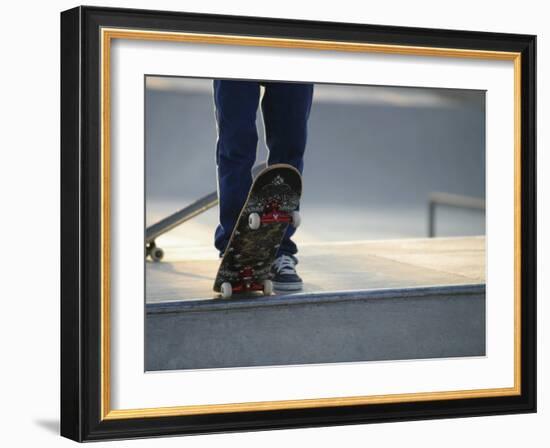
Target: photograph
{"points": [[297, 223], [275, 224]]}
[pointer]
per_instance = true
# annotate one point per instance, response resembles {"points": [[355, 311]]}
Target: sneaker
{"points": [[284, 273]]}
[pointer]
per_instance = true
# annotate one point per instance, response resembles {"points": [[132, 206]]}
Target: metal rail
{"points": [[450, 200]]}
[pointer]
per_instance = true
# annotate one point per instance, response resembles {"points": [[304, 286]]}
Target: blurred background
{"points": [[375, 156]]}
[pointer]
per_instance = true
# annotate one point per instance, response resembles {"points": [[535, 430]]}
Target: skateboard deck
{"points": [[270, 208]]}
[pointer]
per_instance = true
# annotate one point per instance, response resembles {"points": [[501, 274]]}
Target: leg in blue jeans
{"points": [[236, 104], [285, 108]]}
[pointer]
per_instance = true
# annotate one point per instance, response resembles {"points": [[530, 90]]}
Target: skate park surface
{"points": [[362, 301], [336, 266]]}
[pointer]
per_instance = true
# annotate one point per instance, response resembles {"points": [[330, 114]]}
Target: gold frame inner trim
{"points": [[107, 35]]}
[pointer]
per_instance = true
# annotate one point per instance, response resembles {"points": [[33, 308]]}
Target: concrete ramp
{"points": [[370, 301]]}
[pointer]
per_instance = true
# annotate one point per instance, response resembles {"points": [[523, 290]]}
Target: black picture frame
{"points": [[81, 208]]}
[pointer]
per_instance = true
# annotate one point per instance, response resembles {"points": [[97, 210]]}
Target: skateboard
{"points": [[179, 217], [270, 208]]}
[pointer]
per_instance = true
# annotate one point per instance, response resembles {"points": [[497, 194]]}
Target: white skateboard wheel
{"points": [[296, 219], [254, 221], [157, 253], [226, 290], [268, 287]]}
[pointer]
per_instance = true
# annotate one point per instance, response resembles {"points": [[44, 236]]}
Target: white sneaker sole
{"points": [[297, 286]]}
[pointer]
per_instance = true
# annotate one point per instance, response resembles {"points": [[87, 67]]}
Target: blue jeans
{"points": [[285, 109]]}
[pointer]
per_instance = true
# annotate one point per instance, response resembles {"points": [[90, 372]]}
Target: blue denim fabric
{"points": [[285, 109]]}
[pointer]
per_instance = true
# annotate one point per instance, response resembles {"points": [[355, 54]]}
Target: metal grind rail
{"points": [[450, 200]]}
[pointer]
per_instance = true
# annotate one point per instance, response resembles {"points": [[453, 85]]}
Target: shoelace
{"points": [[285, 265]]}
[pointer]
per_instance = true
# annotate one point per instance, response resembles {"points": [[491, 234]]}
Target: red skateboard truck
{"points": [[246, 283], [272, 214]]}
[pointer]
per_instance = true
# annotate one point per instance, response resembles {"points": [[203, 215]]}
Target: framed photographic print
{"points": [[275, 224]]}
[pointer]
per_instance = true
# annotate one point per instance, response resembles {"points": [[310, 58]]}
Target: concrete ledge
{"points": [[339, 266], [312, 328]]}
